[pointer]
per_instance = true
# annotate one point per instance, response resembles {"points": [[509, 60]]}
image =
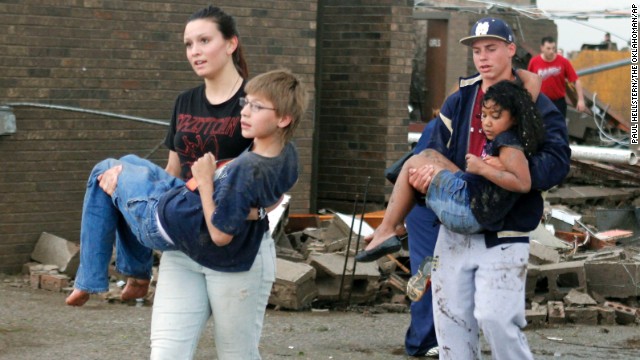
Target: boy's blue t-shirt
{"points": [[249, 181]]}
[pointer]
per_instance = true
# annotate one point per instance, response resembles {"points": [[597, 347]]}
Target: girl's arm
{"points": [[203, 170], [515, 176]]}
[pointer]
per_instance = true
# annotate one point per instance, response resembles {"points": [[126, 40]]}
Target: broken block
{"points": [[533, 271], [54, 282], [624, 314], [541, 254], [51, 249], [617, 279], [31, 267], [581, 315], [578, 298], [289, 254], [537, 315], [295, 285], [606, 315], [559, 279], [359, 280], [609, 254], [34, 280], [555, 312]]}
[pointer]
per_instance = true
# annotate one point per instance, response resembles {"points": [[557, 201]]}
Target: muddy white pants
{"points": [[475, 287], [187, 295]]}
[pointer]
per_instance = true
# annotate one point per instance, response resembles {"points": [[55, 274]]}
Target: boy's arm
{"points": [[515, 176], [203, 171]]}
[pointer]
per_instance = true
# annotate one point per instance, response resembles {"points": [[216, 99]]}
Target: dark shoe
{"points": [[420, 282], [388, 246]]}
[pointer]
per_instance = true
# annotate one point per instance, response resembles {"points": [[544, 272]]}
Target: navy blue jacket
{"points": [[548, 167]]}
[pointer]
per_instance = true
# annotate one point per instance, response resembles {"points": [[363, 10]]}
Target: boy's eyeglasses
{"points": [[253, 106]]}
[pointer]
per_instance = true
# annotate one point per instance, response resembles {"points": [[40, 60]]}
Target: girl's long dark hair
{"points": [[228, 29], [527, 120]]}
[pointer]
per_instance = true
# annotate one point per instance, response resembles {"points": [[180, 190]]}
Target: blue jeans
{"points": [[188, 294], [448, 197], [128, 215]]}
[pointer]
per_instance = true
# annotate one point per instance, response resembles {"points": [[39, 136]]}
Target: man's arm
{"points": [[550, 165], [580, 104]]}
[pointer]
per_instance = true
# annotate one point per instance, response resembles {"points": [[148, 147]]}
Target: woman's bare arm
{"points": [[173, 164]]}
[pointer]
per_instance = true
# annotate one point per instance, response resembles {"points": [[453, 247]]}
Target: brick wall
{"points": [[123, 57], [365, 50]]}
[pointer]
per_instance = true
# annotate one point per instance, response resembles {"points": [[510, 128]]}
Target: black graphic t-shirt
{"points": [[198, 127]]}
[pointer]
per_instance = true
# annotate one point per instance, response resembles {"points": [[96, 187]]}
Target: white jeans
{"points": [[478, 287], [187, 294]]}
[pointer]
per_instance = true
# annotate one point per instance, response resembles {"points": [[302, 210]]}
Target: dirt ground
{"points": [[36, 325]]}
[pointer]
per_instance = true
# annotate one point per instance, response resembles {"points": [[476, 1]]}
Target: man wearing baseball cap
{"points": [[479, 279]]}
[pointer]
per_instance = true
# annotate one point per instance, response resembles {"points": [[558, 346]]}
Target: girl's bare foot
{"points": [[135, 289], [77, 298]]}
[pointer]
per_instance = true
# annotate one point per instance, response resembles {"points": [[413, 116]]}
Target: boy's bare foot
{"points": [[135, 289], [77, 298]]}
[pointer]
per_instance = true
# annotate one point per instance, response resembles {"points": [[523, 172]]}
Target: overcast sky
{"points": [[572, 33]]}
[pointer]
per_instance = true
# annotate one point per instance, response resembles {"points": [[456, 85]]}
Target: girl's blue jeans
{"points": [[126, 219], [448, 197]]}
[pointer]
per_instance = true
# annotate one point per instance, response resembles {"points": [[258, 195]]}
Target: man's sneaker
{"points": [[433, 353], [420, 282]]}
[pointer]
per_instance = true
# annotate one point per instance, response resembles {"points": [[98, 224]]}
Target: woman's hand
{"points": [[108, 180]]}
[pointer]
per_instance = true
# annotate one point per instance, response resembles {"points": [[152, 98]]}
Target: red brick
{"points": [[54, 282]]}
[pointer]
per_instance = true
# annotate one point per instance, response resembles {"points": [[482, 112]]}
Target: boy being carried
{"points": [[209, 224]]}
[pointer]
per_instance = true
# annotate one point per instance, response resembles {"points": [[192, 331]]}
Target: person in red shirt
{"points": [[554, 70]]}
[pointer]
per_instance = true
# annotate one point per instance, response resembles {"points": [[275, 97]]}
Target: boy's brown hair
{"points": [[285, 91]]}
